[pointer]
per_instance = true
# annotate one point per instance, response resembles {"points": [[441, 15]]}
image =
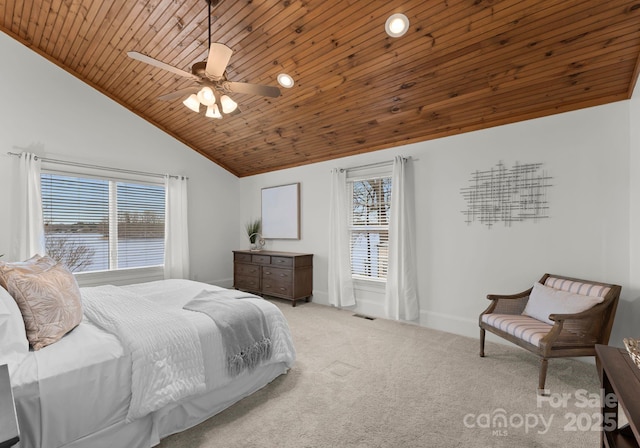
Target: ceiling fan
{"points": [[211, 87]]}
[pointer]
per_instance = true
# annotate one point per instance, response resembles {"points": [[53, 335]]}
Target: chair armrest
{"points": [[586, 314], [509, 298], [583, 324]]}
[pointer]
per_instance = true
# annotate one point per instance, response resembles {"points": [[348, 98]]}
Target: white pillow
{"points": [[544, 301], [14, 345]]}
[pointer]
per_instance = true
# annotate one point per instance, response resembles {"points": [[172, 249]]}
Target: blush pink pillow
{"points": [[48, 297]]}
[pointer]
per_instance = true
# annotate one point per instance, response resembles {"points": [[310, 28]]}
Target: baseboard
{"points": [[463, 326], [222, 282], [453, 324], [320, 297], [374, 308], [373, 305], [370, 308]]}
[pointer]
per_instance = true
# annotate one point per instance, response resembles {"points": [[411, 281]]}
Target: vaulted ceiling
{"points": [[463, 65]]}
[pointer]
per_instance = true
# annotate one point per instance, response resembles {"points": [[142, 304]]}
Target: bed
{"points": [[80, 390]]}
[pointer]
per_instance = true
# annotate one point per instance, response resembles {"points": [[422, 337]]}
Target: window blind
{"points": [[369, 227], [96, 224], [140, 225]]}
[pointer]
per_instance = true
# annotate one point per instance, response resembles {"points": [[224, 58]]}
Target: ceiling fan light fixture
{"points": [[206, 96], [396, 25], [213, 112], [192, 103], [210, 76], [285, 80], [228, 105]]}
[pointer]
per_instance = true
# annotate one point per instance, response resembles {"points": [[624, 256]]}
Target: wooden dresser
{"points": [[286, 275], [621, 391]]}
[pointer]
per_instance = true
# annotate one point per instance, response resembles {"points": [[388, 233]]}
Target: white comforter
{"points": [[82, 385], [166, 357]]}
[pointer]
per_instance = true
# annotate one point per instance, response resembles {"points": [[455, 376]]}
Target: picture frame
{"points": [[281, 212]]}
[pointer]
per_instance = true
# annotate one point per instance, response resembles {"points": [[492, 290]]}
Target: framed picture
{"points": [[281, 212]]}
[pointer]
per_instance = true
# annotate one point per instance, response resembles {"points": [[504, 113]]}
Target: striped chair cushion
{"points": [[522, 327], [585, 289]]}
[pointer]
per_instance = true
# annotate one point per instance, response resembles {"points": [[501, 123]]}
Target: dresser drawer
{"points": [[248, 270], [261, 259], [277, 274], [282, 261], [277, 288], [242, 257], [249, 283]]}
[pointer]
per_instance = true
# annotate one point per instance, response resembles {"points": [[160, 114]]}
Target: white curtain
{"points": [[340, 281], [401, 298], [176, 232], [28, 209]]}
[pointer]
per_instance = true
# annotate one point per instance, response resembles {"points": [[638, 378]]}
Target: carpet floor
{"points": [[380, 383]]}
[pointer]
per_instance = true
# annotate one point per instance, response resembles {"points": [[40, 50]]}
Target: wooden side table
{"points": [[9, 434], [621, 390]]}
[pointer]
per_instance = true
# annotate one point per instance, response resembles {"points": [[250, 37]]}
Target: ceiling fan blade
{"points": [[252, 89], [219, 56], [179, 94], [149, 60]]}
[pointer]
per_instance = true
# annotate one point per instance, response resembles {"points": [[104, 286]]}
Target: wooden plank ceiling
{"points": [[463, 65]]}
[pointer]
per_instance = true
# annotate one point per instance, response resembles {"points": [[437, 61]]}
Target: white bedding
{"points": [[80, 383], [166, 356], [79, 388]]}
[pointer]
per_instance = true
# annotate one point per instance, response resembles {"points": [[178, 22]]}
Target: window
{"points": [[369, 227], [97, 224]]}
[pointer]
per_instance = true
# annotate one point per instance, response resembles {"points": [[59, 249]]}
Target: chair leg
{"points": [[543, 375], [482, 331]]}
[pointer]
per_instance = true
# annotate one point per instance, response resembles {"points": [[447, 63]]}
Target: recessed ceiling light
{"points": [[396, 25], [285, 80]]}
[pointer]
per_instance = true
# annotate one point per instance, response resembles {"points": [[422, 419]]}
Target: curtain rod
{"points": [[86, 165], [375, 165]]}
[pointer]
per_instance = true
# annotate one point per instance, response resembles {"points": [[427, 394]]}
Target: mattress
{"points": [[76, 392]]}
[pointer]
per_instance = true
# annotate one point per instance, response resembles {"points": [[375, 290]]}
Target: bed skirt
{"points": [[147, 432]]}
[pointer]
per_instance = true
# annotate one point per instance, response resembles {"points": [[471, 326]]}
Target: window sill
{"points": [[370, 284], [120, 276]]}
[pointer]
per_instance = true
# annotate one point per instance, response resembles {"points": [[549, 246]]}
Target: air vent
{"points": [[362, 316]]}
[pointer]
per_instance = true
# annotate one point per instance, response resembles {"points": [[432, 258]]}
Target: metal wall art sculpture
{"points": [[507, 195]]}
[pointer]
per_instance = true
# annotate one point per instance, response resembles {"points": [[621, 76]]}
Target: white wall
{"points": [[46, 109], [587, 236], [629, 310], [592, 154]]}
